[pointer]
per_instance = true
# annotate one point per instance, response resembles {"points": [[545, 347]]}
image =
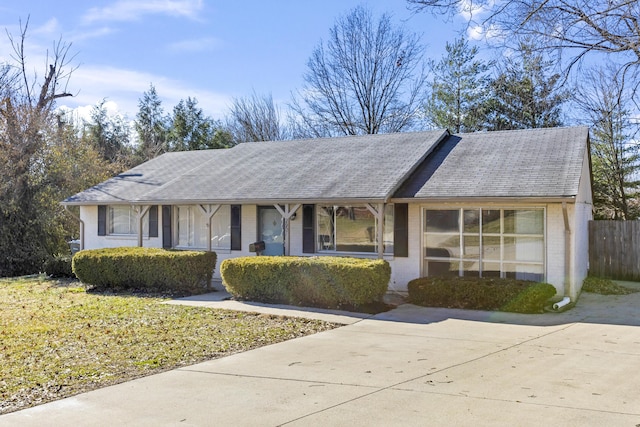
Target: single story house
{"points": [[501, 204]]}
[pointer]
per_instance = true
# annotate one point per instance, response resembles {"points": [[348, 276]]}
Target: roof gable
{"points": [[519, 164]]}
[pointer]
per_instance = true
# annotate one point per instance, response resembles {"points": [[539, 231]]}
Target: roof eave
{"points": [[232, 202], [494, 200]]}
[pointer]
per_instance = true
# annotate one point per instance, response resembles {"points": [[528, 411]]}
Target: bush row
{"points": [[149, 269], [519, 296], [311, 281], [58, 266]]}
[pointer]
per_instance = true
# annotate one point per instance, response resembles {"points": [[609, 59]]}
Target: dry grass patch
{"points": [[599, 285], [57, 340]]}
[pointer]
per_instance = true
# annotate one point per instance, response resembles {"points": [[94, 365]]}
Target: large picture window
{"points": [[352, 229], [484, 243], [192, 228]]}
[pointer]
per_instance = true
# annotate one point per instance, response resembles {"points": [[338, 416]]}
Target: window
{"points": [[123, 220], [352, 229], [485, 243], [192, 227]]}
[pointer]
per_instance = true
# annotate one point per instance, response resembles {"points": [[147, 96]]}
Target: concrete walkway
{"points": [[412, 366]]}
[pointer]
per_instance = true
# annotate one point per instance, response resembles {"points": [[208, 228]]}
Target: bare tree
{"points": [[26, 120], [255, 118], [368, 78], [615, 152], [581, 26]]}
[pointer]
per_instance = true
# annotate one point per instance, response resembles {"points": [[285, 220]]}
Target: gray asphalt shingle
{"points": [[367, 167], [523, 163]]}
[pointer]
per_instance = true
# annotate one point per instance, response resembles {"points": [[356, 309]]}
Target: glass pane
{"points": [[491, 221], [442, 246], [471, 221], [524, 272], [471, 246], [524, 221], [437, 221], [490, 269], [524, 249], [185, 227], [491, 248], [441, 268], [388, 229], [200, 231], [471, 268], [270, 230], [122, 220], [221, 228], [355, 229], [325, 228]]}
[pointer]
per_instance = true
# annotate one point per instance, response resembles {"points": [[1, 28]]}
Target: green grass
{"points": [[598, 285], [57, 340]]}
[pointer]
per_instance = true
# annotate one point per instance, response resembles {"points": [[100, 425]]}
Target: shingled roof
{"points": [[534, 163], [354, 168]]}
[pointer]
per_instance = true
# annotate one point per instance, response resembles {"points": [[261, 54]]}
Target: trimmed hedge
{"points": [[150, 269], [306, 281], [59, 266], [493, 294]]}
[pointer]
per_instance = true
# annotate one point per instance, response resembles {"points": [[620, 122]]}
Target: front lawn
{"points": [[57, 340]]}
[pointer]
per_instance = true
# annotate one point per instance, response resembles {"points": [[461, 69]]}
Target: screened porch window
{"points": [[352, 229], [484, 243], [192, 230]]}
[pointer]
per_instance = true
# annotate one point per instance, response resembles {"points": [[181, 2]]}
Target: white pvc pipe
{"points": [[563, 302]]}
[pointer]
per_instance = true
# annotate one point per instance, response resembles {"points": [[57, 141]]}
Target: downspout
{"points": [[567, 251], [66, 208]]}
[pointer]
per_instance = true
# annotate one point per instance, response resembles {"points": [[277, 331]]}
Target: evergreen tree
{"points": [[526, 94], [151, 126], [109, 135], [192, 130], [459, 89]]}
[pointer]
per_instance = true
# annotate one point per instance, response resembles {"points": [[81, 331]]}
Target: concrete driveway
{"points": [[412, 366]]}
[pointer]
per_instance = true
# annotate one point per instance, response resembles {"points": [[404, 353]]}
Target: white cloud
{"points": [[125, 87], [125, 10], [470, 10], [195, 45], [52, 26], [478, 32]]}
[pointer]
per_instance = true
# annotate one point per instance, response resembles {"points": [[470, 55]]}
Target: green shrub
{"points": [[494, 294], [150, 269], [59, 266], [307, 281], [599, 285]]}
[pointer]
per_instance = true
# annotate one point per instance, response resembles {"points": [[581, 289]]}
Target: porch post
{"points": [[378, 212], [287, 213], [140, 211], [209, 212]]}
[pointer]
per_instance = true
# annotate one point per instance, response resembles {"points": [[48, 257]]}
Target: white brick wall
{"points": [[402, 269], [555, 246], [89, 214]]}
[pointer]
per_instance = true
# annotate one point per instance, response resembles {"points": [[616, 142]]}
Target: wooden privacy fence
{"points": [[614, 249]]}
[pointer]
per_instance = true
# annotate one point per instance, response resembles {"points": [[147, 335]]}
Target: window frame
{"points": [[195, 231], [388, 230], [481, 260], [133, 222]]}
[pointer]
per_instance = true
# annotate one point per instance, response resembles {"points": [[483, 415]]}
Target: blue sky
{"points": [[213, 50]]}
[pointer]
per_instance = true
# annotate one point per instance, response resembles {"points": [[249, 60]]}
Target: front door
{"points": [[270, 230]]}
